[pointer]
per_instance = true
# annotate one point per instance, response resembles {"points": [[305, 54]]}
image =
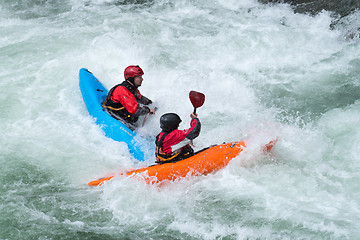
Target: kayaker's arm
{"points": [[145, 101], [195, 131], [196, 127]]}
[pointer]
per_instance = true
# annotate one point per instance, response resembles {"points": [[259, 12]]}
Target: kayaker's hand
{"points": [[152, 110], [192, 115]]}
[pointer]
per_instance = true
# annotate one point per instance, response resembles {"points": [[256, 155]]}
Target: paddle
{"points": [[197, 99], [146, 117]]}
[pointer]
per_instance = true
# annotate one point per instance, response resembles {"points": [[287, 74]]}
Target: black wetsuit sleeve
{"points": [[196, 131], [144, 100]]}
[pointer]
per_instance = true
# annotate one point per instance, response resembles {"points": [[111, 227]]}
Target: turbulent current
{"points": [[267, 70]]}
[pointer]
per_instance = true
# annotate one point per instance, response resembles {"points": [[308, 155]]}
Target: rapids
{"points": [[266, 70]]}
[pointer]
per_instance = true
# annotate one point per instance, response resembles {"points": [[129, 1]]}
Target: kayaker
{"points": [[172, 144], [124, 101]]}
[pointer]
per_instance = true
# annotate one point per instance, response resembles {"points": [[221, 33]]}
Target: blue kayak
{"points": [[94, 93]]}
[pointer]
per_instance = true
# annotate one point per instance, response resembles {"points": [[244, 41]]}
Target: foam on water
{"points": [[266, 73]]}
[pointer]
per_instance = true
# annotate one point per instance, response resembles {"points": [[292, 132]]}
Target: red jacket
{"points": [[164, 150], [123, 101], [122, 95]]}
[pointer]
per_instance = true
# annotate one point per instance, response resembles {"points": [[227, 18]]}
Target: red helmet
{"points": [[133, 71]]}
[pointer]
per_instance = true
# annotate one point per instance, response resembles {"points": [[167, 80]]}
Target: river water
{"points": [[266, 71]]}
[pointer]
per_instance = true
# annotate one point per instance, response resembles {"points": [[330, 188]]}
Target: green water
{"points": [[266, 72]]}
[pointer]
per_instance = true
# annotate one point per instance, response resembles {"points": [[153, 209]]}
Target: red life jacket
{"points": [[122, 96], [122, 101], [164, 142]]}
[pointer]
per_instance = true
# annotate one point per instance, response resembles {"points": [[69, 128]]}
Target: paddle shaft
{"points": [[146, 117]]}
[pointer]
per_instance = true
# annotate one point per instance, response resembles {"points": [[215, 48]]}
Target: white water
{"points": [[266, 72]]}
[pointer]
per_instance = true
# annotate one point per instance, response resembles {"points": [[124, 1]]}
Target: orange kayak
{"points": [[202, 163]]}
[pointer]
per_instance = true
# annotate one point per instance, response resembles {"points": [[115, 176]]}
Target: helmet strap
{"points": [[131, 80]]}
